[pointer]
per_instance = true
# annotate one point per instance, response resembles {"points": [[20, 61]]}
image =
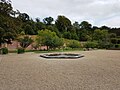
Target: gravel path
{"points": [[98, 70]]}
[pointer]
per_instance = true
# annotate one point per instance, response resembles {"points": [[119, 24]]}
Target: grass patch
{"points": [[59, 50], [50, 51]]}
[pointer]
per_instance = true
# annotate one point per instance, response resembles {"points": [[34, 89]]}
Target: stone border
{"points": [[61, 56]]}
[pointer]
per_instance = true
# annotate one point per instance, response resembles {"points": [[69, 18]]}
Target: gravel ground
{"points": [[98, 70]]}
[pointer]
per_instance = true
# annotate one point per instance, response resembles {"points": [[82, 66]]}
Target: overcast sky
{"points": [[97, 12]]}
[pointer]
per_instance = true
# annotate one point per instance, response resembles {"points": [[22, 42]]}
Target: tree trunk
{"points": [[47, 48]]}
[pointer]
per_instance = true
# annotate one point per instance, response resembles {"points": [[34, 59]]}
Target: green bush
{"points": [[118, 41], [114, 40], [74, 44], [4, 50], [117, 45], [110, 45], [20, 50], [91, 45], [67, 48]]}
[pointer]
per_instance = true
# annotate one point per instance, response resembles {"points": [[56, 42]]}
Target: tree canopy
{"points": [[49, 39]]}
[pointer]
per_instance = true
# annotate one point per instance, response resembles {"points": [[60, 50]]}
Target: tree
{"points": [[5, 7], [67, 35], [85, 25], [112, 35], [9, 25], [57, 42], [53, 28], [76, 25], [84, 31], [74, 36], [49, 39], [1, 36], [24, 17], [102, 37], [37, 19], [48, 20], [25, 41], [28, 30], [39, 26], [63, 24]]}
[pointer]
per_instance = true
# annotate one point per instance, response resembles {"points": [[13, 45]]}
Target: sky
{"points": [[96, 12]]}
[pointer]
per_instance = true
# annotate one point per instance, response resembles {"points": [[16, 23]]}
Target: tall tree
{"points": [[24, 17], [63, 24], [29, 30], [48, 20], [85, 25], [5, 7]]}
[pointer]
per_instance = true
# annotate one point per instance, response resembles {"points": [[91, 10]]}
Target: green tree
{"points": [[39, 26], [10, 25], [1, 36], [24, 17], [57, 42], [63, 24], [85, 32], [102, 37], [25, 41], [29, 30], [49, 39], [48, 20], [5, 7], [53, 28], [76, 25], [85, 25], [67, 35]]}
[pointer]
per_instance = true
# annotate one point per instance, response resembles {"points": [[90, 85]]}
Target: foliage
{"points": [[67, 35], [63, 24], [91, 44], [48, 20], [112, 35], [14, 23], [49, 39], [25, 41], [117, 45], [28, 30], [100, 35], [24, 17], [74, 44], [5, 7], [20, 50], [114, 40], [57, 42], [5, 50]]}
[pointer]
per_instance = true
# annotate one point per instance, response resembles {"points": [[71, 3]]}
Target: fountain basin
{"points": [[62, 56]]}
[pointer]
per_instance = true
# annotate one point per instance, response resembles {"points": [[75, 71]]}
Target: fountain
{"points": [[62, 56]]}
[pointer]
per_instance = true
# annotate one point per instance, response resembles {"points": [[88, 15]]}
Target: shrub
{"points": [[117, 45], [74, 44], [20, 50], [67, 48], [110, 45], [91, 45], [114, 40], [118, 41], [5, 50]]}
